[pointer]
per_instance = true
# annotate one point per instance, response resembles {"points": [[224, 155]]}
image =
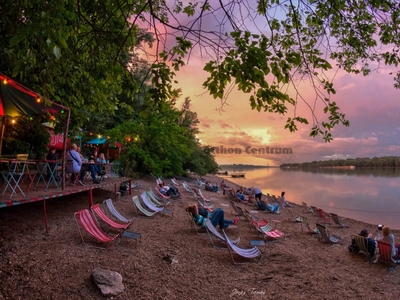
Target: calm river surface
{"points": [[368, 195]]}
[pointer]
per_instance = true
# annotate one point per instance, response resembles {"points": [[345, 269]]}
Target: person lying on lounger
{"points": [[169, 190], [201, 215]]}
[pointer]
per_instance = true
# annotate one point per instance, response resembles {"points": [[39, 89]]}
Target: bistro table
{"points": [[48, 173], [12, 172]]}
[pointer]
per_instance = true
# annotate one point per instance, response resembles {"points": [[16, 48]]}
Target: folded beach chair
{"points": [[253, 252], [325, 236]]}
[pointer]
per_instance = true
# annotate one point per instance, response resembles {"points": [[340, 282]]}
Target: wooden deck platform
{"points": [[53, 192]]}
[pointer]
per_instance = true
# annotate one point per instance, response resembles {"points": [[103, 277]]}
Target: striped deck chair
{"points": [[338, 220], [175, 182], [324, 216], [325, 236], [199, 230], [84, 219], [97, 211], [253, 252], [362, 244], [157, 200], [307, 209], [385, 255], [138, 207], [305, 225], [187, 187], [292, 217], [266, 231], [161, 194], [212, 231], [146, 200], [115, 213], [314, 210], [204, 198]]}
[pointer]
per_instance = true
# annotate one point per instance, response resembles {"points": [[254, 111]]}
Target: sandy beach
{"points": [[174, 262]]}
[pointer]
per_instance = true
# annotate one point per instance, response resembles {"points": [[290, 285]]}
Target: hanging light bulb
{"points": [[5, 81], [38, 100], [13, 121]]}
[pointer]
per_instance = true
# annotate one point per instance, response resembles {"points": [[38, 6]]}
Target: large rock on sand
{"points": [[109, 282]]}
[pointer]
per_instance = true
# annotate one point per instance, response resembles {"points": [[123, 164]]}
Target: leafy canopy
{"points": [[82, 54]]}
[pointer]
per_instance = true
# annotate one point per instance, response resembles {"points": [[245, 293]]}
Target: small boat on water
{"points": [[223, 173], [237, 175]]}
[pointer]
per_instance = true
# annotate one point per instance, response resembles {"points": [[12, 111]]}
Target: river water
{"points": [[368, 195]]}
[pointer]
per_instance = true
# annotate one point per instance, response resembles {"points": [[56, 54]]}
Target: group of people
{"points": [[386, 237], [75, 161]]}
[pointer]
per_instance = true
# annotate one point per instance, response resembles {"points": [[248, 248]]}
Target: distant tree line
{"points": [[365, 162]]}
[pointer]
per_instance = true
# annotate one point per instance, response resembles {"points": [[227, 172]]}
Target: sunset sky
{"points": [[370, 103]]}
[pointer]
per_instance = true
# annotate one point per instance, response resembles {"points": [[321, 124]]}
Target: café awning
{"points": [[97, 141]]}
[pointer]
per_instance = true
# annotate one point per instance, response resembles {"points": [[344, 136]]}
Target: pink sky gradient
{"points": [[370, 103]]}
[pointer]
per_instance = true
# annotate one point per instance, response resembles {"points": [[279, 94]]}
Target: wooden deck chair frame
{"points": [[362, 244], [242, 252], [146, 200], [325, 236], [187, 187], [199, 230], [139, 208], [385, 255], [324, 216], [338, 220], [292, 217], [86, 221], [314, 210], [234, 210], [212, 231], [110, 205], [307, 209], [204, 198], [306, 224]]}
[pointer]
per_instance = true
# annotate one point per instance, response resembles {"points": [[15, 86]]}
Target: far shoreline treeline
{"points": [[366, 162]]}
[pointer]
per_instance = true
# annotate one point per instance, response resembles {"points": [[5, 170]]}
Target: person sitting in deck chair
{"points": [[169, 190], [201, 215], [211, 187], [371, 246]]}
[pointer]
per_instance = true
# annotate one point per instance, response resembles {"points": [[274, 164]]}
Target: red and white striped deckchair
{"points": [[266, 230], [85, 220], [96, 209]]}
